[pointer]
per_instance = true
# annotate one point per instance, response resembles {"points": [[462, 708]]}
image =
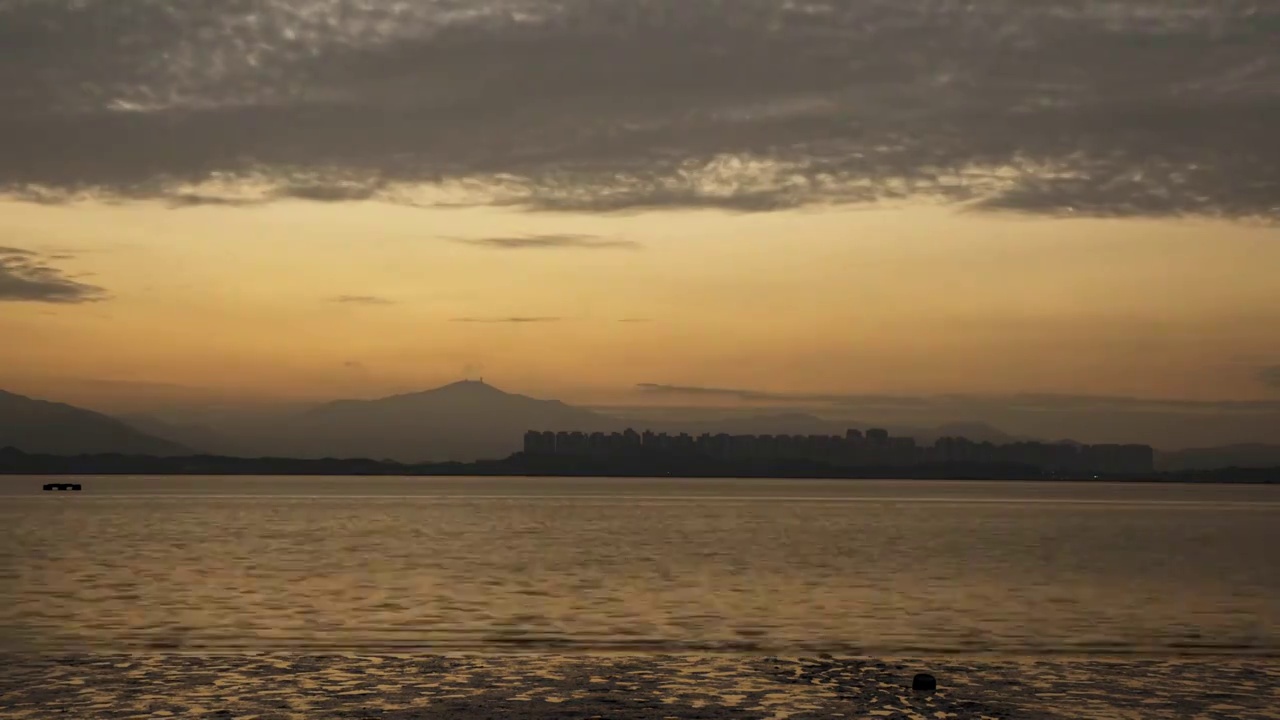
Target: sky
{"points": [[639, 202]]}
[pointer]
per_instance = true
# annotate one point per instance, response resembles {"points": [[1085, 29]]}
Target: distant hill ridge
{"points": [[461, 421], [39, 426]]}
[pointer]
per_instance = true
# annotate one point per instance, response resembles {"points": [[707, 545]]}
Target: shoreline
{"points": [[17, 462], [1249, 476], [624, 686], [499, 651], [1092, 481]]}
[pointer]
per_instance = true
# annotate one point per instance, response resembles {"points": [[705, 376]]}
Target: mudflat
{"points": [[270, 686]]}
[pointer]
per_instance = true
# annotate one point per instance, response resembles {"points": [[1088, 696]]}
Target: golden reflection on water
{"points": [[772, 566]]}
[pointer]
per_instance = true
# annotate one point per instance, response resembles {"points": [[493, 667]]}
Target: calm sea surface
{"points": [[392, 564]]}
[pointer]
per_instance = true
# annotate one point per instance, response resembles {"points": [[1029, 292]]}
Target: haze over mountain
{"points": [[472, 420], [462, 421], [201, 437], [38, 426]]}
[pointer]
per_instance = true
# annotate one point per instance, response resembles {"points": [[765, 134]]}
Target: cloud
{"points": [[25, 276], [1270, 376], [361, 300], [1061, 107], [507, 320], [1031, 402], [548, 242], [767, 397]]}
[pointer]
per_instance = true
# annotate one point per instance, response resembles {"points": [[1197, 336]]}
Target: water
{"points": [[401, 564]]}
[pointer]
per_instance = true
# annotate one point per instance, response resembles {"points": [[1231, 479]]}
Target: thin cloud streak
{"points": [[961, 402], [361, 300], [507, 320], [548, 242], [25, 276], [1144, 108]]}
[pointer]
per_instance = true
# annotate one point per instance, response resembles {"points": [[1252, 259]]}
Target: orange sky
{"points": [[244, 302]]}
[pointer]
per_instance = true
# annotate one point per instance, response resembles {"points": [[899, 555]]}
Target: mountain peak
{"points": [[478, 390], [468, 386], [463, 420]]}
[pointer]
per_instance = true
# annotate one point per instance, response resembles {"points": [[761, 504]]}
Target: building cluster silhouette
{"points": [[874, 448]]}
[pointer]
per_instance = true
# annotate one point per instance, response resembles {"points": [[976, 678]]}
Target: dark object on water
{"points": [[62, 487], [925, 682]]}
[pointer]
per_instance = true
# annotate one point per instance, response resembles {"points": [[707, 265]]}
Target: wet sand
{"points": [[278, 686]]}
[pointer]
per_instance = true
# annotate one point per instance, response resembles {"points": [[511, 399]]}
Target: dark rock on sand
{"points": [[924, 682]]}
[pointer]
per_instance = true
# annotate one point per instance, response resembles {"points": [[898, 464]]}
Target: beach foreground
{"points": [[269, 686]]}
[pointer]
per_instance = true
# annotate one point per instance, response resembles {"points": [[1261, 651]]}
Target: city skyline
{"points": [[855, 448]]}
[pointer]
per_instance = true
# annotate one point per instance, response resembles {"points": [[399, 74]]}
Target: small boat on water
{"points": [[62, 487]]}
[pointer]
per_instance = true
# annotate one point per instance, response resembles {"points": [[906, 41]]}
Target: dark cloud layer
{"points": [[1056, 107], [548, 242], [25, 276]]}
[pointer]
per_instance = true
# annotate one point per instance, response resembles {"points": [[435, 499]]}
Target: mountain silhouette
{"points": [[38, 426], [467, 421], [462, 421]]}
